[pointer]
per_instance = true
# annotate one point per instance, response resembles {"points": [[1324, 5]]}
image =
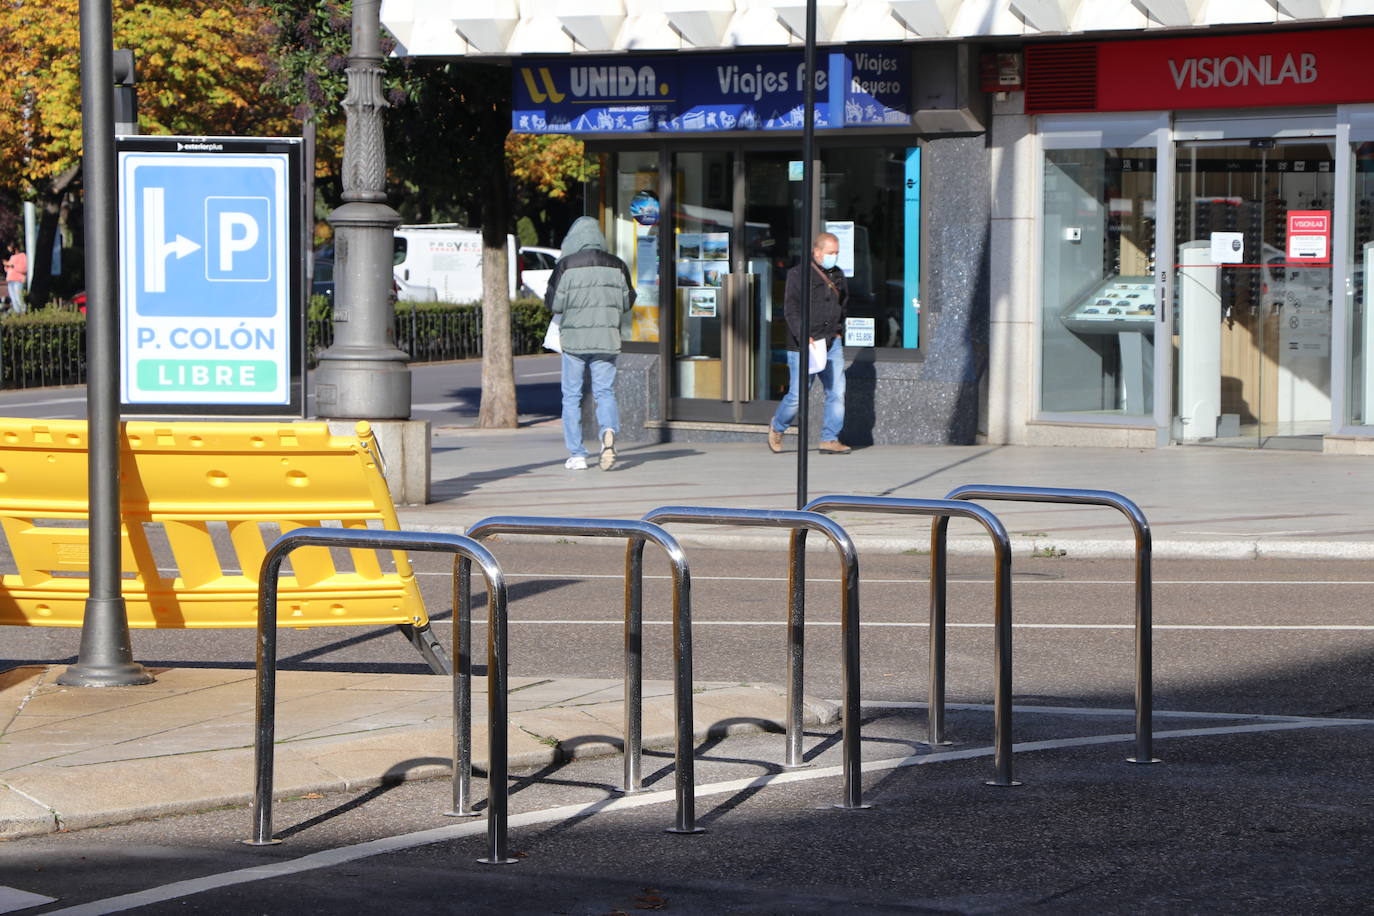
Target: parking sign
{"points": [[210, 280]]}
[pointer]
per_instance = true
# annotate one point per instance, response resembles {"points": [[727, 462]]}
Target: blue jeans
{"points": [[832, 380], [16, 290], [603, 390]]}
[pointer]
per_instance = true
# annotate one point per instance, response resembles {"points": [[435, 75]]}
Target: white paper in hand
{"points": [[551, 337], [818, 356]]}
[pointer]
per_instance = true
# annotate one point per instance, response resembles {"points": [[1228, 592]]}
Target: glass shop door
{"points": [[1252, 225], [733, 239]]}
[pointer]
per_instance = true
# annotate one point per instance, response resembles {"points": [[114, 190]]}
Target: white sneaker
{"points": [[576, 463], [607, 449]]}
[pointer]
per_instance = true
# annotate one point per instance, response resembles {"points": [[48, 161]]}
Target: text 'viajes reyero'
{"points": [[1210, 72]]}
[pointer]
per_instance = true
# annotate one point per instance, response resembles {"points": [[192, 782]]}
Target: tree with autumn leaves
{"points": [[275, 68], [200, 66]]}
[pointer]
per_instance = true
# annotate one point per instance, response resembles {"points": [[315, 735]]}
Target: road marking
{"points": [[1096, 711], [332, 857], [920, 624], [12, 899], [41, 403], [926, 581], [525, 375]]}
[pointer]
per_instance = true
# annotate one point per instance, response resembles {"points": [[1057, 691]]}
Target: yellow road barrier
{"points": [[199, 503]]}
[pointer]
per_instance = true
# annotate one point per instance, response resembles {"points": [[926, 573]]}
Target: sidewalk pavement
{"points": [[72, 758], [83, 757], [1201, 501]]}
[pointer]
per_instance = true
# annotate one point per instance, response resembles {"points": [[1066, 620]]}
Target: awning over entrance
{"points": [[505, 28]]}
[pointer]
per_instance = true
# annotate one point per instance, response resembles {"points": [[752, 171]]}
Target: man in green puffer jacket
{"points": [[590, 288]]}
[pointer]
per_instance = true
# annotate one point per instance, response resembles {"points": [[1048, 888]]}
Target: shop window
{"points": [[633, 226], [867, 201], [1098, 291]]}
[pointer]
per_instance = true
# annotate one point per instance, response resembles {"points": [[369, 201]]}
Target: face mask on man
{"points": [[828, 261]]}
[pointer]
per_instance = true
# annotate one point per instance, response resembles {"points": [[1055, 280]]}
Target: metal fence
{"points": [[433, 336], [42, 355]]}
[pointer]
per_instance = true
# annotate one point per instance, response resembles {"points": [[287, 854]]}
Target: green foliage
{"points": [[310, 43], [529, 319], [444, 136], [320, 308], [52, 317], [48, 346], [525, 232], [44, 347]]}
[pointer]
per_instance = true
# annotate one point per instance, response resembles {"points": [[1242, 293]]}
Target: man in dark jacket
{"points": [[829, 296], [590, 288]]}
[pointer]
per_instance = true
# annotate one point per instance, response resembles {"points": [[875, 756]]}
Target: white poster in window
{"points": [[858, 332], [701, 303], [1228, 247], [844, 231]]}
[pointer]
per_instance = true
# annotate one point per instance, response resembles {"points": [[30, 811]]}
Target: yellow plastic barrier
{"points": [[180, 485]]}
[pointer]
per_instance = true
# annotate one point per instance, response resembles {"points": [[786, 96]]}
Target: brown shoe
{"points": [[774, 440], [834, 448]]}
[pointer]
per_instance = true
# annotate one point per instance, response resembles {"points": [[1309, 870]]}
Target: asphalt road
{"points": [[1263, 721], [446, 394]]}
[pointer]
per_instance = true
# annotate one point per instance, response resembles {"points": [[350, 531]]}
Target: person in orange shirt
{"points": [[16, 272]]}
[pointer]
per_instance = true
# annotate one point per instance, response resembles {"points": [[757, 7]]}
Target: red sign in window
{"points": [[1309, 236]]}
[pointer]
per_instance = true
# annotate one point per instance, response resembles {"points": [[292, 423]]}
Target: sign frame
{"points": [[273, 323], [1308, 238]]}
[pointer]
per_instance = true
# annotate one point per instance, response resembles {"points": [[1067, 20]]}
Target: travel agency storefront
{"points": [[699, 190], [1186, 230]]}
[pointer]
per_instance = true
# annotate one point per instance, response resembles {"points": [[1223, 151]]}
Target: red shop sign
{"points": [[1309, 236], [1236, 71]]}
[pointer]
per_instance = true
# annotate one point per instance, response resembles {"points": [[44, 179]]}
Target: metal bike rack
{"points": [[943, 509], [799, 522], [468, 550], [636, 533], [1143, 601]]}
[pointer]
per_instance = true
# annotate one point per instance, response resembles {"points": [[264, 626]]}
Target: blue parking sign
{"points": [[209, 273]]}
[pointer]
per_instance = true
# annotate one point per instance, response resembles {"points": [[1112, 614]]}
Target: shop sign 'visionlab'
{"points": [[712, 92]]}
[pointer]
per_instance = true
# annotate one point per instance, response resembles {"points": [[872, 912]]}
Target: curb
{"points": [[1021, 546]]}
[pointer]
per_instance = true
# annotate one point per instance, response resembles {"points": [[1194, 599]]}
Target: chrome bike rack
{"points": [[1143, 601], [468, 550], [636, 533], [943, 509], [799, 522]]}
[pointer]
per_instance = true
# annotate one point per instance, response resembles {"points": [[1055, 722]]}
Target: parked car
{"points": [[536, 265], [322, 283]]}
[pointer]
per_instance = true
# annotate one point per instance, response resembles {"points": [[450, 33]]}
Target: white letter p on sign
{"points": [[237, 232]]}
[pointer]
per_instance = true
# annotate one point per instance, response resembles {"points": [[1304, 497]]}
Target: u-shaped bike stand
{"points": [[942, 510], [799, 522], [636, 533], [468, 551], [1144, 637]]}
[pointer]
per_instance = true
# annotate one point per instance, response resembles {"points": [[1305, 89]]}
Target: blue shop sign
{"points": [[711, 92]]}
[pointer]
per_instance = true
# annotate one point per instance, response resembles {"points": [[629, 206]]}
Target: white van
{"points": [[443, 263]]}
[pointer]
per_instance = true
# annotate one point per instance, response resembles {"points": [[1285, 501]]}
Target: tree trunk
{"points": [[50, 200], [498, 408]]}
